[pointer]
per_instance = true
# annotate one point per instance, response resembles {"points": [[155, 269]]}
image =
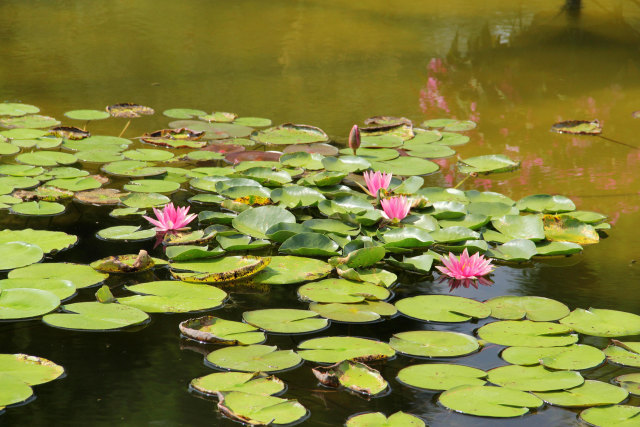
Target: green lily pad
{"points": [[35, 121], [442, 308], [527, 333], [352, 375], [95, 316], [252, 383], [48, 241], [183, 113], [254, 358], [296, 196], [520, 227], [171, 296], [87, 115], [531, 307], [337, 349], [214, 130], [267, 176], [363, 312], [514, 250], [408, 238], [7, 149], [132, 168], [259, 409], [46, 158], [126, 232], [13, 390], [586, 216], [291, 269], [283, 230], [76, 184], [191, 252], [254, 122], [17, 254], [256, 221], [578, 127], [302, 159], [381, 141], [285, 321], [534, 378], [441, 376], [469, 221], [219, 270], [240, 242], [591, 393], [558, 248], [346, 164], [603, 323], [419, 264], [323, 179], [309, 244], [290, 133], [629, 382], [80, 275], [454, 234], [151, 186], [145, 200], [484, 401], [572, 357], [95, 142], [451, 139], [17, 109], [24, 303], [546, 204], [345, 205], [18, 182], [125, 212], [492, 163], [615, 415], [625, 353], [564, 229], [434, 343], [378, 419], [406, 166], [63, 289], [30, 370], [341, 291], [215, 330]]}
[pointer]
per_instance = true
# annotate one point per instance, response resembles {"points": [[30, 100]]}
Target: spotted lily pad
{"points": [[171, 296], [285, 321], [257, 409], [129, 110], [572, 357], [434, 343], [441, 376], [484, 401], [625, 353], [219, 270], [129, 263], [531, 307], [337, 349], [99, 197], [252, 383], [591, 393], [378, 419], [81, 276], [352, 375], [216, 330], [565, 229], [442, 308], [253, 358], [95, 316], [527, 333], [603, 323], [578, 127]]}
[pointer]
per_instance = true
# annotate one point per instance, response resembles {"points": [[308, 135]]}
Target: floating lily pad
{"points": [[346, 164], [129, 263], [63, 289], [591, 393], [7, 149], [419, 264], [451, 139], [46, 158], [254, 358], [95, 316], [531, 307], [527, 333], [337, 349], [30, 370], [484, 401], [285, 321], [378, 419], [615, 415], [254, 122], [191, 252], [309, 244], [81, 276], [493, 163], [564, 229], [454, 234], [126, 232], [100, 197], [219, 270], [442, 308], [603, 323], [77, 184], [48, 241], [408, 238], [145, 200], [534, 378], [546, 204], [35, 121], [132, 168], [216, 330], [352, 375], [441, 376], [578, 127], [572, 357], [625, 353], [296, 196], [289, 133], [406, 166], [434, 343], [252, 383], [15, 254], [520, 227], [17, 109], [129, 110], [87, 115], [364, 312], [629, 382], [256, 221], [514, 250], [151, 186], [13, 390], [171, 296], [260, 410], [24, 303], [341, 291], [558, 248], [469, 221]]}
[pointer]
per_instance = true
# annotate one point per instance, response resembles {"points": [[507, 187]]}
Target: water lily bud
{"points": [[354, 138]]}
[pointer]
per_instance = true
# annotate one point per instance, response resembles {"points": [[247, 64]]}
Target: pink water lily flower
{"points": [[377, 180], [466, 267], [396, 208], [171, 218]]}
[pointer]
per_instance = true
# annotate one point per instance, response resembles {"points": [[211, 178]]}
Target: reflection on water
{"points": [[515, 67]]}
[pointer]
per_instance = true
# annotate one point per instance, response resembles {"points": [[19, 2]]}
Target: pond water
{"points": [[514, 67]]}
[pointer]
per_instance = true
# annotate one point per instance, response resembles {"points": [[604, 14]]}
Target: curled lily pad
{"points": [[254, 358], [578, 127], [418, 264], [603, 323], [257, 409], [128, 263], [252, 383], [378, 419], [442, 308], [363, 312], [341, 291], [591, 393], [15, 254], [434, 343], [95, 316], [24, 303], [629, 382], [534, 378], [615, 415], [181, 238], [625, 353], [352, 375], [172, 296], [572, 357], [220, 270], [337, 349], [216, 330], [484, 401], [285, 321], [129, 110], [291, 269], [494, 163], [309, 244], [527, 333], [69, 132], [126, 232], [240, 242], [81, 276], [514, 250], [31, 370], [441, 376], [290, 133], [531, 307], [48, 241], [191, 252]]}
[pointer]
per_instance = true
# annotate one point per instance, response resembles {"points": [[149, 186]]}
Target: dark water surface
{"points": [[515, 67]]}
